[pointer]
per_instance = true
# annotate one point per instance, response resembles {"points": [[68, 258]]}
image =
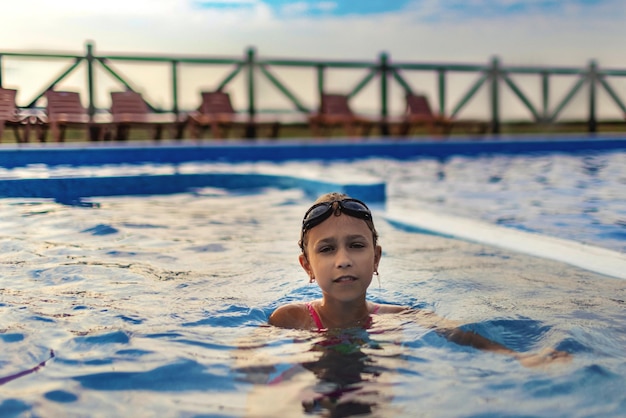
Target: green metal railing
{"points": [[493, 76]]}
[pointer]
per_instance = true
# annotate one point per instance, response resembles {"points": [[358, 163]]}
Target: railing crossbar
{"points": [[64, 74], [126, 84], [230, 76], [469, 94], [518, 92], [398, 77], [612, 93], [364, 82], [281, 86], [568, 97]]}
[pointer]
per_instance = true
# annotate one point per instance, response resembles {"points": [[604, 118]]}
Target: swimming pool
{"points": [[152, 306]]}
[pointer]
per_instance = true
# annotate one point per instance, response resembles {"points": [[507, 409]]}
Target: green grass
{"points": [[302, 131]]}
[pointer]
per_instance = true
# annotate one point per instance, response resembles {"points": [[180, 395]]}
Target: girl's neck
{"points": [[336, 314]]}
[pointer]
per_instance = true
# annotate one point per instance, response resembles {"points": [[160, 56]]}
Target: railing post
{"points": [[175, 87], [384, 111], [545, 84], [442, 90], [91, 109], [495, 96], [592, 77], [321, 70], [250, 60]]}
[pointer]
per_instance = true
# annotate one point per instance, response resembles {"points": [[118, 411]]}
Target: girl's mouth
{"points": [[344, 279]]}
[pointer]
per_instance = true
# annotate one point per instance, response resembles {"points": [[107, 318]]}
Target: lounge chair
{"points": [[64, 109], [420, 114], [335, 112], [129, 109], [217, 112], [10, 116]]}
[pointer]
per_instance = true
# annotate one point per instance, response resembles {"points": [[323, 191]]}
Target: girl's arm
{"points": [[451, 331]]}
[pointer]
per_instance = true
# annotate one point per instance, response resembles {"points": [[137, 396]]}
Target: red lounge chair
{"points": [[335, 112], [129, 109], [217, 112], [420, 114], [10, 116], [64, 109]]}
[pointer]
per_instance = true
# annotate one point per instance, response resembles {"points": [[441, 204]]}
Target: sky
{"points": [[519, 32]]}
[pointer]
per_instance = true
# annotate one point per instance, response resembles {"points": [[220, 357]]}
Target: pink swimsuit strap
{"points": [[315, 316], [318, 321]]}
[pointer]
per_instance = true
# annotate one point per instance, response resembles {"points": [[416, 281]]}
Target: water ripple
{"points": [[184, 375]]}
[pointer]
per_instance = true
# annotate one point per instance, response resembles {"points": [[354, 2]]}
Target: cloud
{"points": [[427, 10], [296, 8], [299, 8], [490, 11], [310, 8], [224, 4], [42, 9], [528, 31]]}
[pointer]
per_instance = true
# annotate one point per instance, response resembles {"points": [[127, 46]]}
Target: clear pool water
{"points": [[575, 197], [154, 306]]}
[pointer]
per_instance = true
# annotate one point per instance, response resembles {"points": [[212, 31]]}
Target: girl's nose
{"points": [[343, 259]]}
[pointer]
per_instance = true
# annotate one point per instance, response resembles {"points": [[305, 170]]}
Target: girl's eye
{"points": [[357, 245], [325, 249]]}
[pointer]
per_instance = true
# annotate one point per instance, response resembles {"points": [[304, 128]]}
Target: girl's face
{"points": [[341, 257]]}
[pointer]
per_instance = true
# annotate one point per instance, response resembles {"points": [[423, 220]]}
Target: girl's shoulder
{"points": [[292, 315], [388, 309]]}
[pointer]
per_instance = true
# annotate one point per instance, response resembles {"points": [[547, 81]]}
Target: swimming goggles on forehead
{"points": [[319, 212]]}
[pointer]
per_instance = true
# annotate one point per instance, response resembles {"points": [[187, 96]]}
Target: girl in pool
{"points": [[340, 252]]}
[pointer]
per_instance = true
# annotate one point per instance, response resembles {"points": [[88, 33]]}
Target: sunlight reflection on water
{"points": [[153, 306]]}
